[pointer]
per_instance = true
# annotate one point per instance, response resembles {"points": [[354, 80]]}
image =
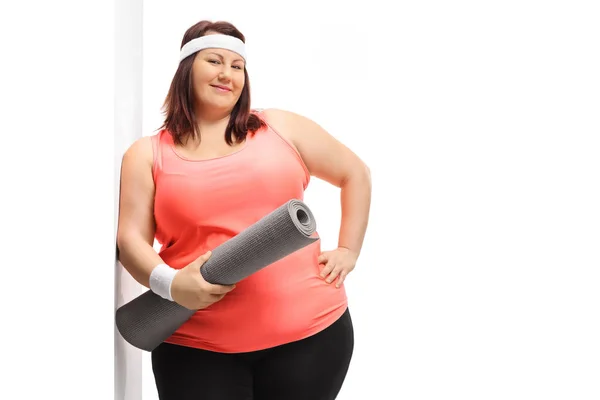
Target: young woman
{"points": [[214, 168]]}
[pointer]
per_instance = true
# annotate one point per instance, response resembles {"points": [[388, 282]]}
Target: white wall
{"points": [[128, 128], [479, 274]]}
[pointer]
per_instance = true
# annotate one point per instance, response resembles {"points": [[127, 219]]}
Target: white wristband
{"points": [[160, 280]]}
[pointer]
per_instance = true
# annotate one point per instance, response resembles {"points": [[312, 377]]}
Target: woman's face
{"points": [[218, 78]]}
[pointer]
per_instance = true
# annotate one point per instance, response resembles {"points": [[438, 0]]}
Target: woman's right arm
{"points": [[136, 226], [135, 233]]}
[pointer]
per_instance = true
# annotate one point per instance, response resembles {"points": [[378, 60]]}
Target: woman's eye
{"points": [[218, 62]]}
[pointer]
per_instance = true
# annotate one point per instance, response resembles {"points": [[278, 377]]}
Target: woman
{"points": [[214, 168]]}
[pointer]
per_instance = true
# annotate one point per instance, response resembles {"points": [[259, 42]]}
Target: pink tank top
{"points": [[201, 204]]}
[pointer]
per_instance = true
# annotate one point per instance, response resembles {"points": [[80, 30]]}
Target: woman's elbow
{"points": [[121, 240], [364, 172]]}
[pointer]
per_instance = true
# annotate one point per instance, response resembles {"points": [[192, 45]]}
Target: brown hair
{"points": [[178, 107]]}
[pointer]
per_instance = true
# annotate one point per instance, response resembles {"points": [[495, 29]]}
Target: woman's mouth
{"points": [[222, 89]]}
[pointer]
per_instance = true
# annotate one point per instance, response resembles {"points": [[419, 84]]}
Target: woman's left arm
{"points": [[330, 160]]}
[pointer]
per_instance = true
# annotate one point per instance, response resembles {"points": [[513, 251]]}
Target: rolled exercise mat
{"points": [[148, 320]]}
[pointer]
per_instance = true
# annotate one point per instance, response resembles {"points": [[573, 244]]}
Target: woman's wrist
{"points": [[161, 280]]}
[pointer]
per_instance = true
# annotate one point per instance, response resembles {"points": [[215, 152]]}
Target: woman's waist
{"points": [[255, 317]]}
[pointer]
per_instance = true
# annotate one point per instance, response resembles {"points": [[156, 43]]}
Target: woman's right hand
{"points": [[190, 290]]}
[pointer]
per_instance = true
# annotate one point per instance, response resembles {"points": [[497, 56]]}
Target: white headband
{"points": [[213, 41]]}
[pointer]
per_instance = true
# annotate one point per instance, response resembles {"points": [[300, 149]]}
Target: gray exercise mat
{"points": [[146, 321]]}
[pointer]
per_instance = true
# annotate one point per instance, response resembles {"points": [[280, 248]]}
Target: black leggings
{"points": [[309, 369]]}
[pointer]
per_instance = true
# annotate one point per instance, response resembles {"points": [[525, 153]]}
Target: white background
{"points": [[479, 274]]}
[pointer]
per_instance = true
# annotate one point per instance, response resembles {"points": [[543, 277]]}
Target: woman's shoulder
{"points": [[287, 123], [278, 115], [142, 149]]}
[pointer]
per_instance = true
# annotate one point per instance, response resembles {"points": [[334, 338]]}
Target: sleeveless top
{"points": [[199, 204]]}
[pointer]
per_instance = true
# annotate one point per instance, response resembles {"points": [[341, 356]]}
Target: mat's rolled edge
{"points": [[131, 339], [302, 217], [151, 303]]}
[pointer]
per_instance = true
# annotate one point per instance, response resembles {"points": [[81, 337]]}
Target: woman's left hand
{"points": [[338, 264]]}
